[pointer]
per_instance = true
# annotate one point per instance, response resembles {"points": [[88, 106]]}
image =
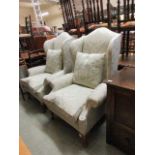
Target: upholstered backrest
{"points": [[62, 42], [56, 43], [49, 44], [98, 41], [76, 46], [67, 57], [102, 40]]}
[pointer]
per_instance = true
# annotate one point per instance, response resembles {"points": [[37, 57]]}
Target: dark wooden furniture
{"points": [[26, 38], [22, 73], [126, 24], [33, 58], [96, 14], [100, 13], [25, 41], [69, 15], [120, 111], [126, 61]]}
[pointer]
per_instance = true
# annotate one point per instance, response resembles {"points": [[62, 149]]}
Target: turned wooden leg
{"points": [[83, 140], [44, 108], [26, 96], [52, 115], [22, 93]]}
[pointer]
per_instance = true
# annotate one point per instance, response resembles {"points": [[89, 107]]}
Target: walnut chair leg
{"points": [[83, 140], [26, 96], [52, 115], [22, 93], [44, 108]]}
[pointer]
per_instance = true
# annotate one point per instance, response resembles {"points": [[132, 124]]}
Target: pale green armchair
{"points": [[54, 68], [79, 97]]}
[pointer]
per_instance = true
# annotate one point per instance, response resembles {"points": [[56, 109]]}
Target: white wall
{"points": [[55, 17], [24, 11]]}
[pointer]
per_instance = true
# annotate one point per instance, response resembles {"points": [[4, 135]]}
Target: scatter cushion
{"points": [[53, 61], [88, 69]]}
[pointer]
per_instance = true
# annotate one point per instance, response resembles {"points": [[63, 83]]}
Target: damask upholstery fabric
{"points": [[39, 93], [69, 100], [53, 84], [49, 44], [102, 40], [59, 83], [67, 57], [89, 117], [88, 69], [76, 45], [97, 96], [78, 105], [59, 40], [35, 82], [36, 70], [53, 61], [97, 41]]}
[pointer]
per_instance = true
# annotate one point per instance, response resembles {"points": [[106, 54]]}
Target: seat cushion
{"points": [[53, 61], [88, 69], [33, 83], [69, 101]]}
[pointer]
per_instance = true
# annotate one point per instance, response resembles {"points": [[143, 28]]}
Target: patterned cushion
{"points": [[88, 69], [53, 61]]}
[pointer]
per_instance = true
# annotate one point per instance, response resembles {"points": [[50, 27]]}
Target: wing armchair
{"points": [[79, 105], [36, 75]]}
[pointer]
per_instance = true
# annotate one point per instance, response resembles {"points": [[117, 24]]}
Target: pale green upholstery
{"points": [[80, 106], [34, 82]]}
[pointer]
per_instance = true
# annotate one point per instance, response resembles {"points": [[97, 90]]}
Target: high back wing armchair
{"points": [[101, 40], [82, 104], [36, 75]]}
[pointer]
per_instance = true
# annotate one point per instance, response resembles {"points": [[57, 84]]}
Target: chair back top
{"points": [[101, 40], [62, 42], [98, 41], [57, 43]]}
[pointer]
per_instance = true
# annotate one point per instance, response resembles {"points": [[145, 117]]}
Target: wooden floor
{"points": [[23, 149]]}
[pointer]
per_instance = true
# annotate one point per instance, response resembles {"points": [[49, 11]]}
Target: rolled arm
{"points": [[94, 100], [98, 96], [94, 109], [56, 84], [36, 70]]}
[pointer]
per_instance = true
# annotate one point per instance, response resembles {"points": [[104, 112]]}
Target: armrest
{"points": [[36, 70], [98, 96], [56, 84]]}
